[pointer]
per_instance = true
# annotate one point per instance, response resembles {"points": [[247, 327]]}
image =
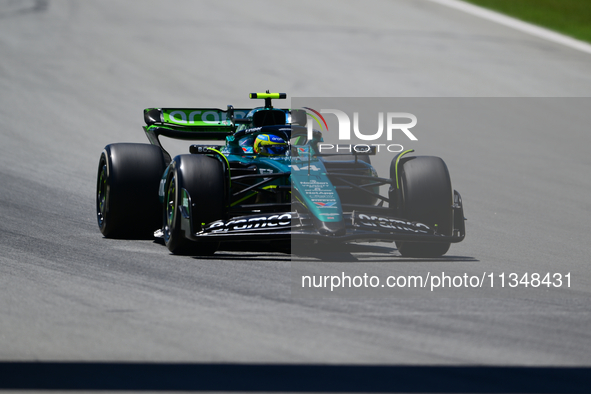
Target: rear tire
{"points": [[203, 179], [127, 202], [427, 197]]}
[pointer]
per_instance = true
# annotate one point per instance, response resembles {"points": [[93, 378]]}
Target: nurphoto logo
{"points": [[394, 123]]}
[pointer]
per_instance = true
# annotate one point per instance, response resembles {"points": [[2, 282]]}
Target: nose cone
{"points": [[330, 229]]}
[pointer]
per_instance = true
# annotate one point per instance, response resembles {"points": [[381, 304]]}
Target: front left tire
{"points": [[194, 192]]}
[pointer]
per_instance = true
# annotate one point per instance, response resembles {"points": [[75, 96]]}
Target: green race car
{"points": [[268, 184]]}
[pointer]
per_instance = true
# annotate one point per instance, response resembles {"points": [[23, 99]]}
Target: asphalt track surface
{"points": [[75, 76]]}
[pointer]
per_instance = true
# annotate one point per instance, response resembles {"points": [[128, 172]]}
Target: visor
{"points": [[277, 149]]}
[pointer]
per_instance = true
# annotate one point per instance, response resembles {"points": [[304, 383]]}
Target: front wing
{"points": [[296, 226]]}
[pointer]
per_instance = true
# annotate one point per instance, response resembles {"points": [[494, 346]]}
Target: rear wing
{"points": [[199, 124], [192, 124], [203, 119]]}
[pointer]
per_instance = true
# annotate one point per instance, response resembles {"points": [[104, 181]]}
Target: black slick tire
{"points": [[128, 178], [426, 197], [202, 178]]}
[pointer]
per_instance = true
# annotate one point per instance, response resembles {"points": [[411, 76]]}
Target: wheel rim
{"points": [[101, 197], [171, 202]]}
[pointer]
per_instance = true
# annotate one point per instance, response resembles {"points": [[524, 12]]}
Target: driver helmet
{"points": [[270, 145]]}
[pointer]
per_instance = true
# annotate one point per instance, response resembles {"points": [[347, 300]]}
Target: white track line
{"points": [[516, 24]]}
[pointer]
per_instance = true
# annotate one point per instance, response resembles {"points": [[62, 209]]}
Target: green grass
{"points": [[570, 17]]}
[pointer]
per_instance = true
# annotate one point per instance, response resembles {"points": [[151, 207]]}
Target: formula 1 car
{"points": [[269, 183]]}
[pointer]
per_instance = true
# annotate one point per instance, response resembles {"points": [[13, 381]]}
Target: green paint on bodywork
{"points": [[396, 165], [314, 189], [243, 198], [198, 116]]}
